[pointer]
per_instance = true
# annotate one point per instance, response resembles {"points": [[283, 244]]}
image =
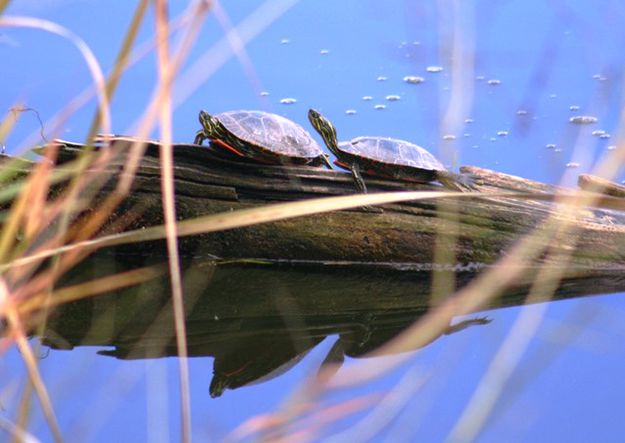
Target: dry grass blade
{"points": [[276, 427], [17, 433], [17, 332], [89, 289], [121, 62], [167, 187], [206, 65], [90, 59], [283, 211]]}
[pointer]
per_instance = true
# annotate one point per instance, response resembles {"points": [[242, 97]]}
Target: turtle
{"points": [[359, 342], [249, 360], [262, 136], [387, 157]]}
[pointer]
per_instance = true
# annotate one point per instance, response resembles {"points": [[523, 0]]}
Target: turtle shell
{"points": [[391, 151], [271, 132]]}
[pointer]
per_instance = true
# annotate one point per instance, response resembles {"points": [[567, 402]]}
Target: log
{"points": [[402, 236], [259, 297]]}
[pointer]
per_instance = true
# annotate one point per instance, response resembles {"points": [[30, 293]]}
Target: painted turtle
{"points": [[387, 157], [256, 359], [264, 137], [361, 341]]}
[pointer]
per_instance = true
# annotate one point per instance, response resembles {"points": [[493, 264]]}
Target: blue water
{"points": [[526, 68]]}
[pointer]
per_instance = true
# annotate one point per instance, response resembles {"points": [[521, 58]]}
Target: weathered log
{"points": [[402, 236], [351, 272]]}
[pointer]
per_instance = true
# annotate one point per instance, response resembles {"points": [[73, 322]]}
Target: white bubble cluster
{"points": [[413, 79], [583, 119]]}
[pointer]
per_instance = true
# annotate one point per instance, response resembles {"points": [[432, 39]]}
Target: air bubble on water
{"points": [[382, 78], [449, 137], [583, 119], [434, 69], [264, 93], [550, 146], [557, 150], [494, 82], [480, 78], [502, 133], [379, 107], [492, 139], [521, 112], [393, 98], [572, 165], [413, 79], [599, 77], [367, 98], [574, 108], [288, 101], [324, 52], [611, 148], [604, 136], [351, 111], [466, 134], [285, 41], [597, 132], [468, 120]]}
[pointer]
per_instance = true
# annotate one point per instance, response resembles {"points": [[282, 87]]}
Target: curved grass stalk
{"points": [[90, 59]]}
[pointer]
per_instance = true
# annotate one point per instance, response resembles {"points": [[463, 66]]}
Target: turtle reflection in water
{"points": [[359, 343], [261, 136], [387, 157], [256, 359]]}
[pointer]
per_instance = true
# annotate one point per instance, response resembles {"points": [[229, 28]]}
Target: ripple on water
{"points": [[288, 101], [393, 97]]}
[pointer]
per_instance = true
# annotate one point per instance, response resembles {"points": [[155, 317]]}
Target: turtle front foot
{"points": [[199, 138]]}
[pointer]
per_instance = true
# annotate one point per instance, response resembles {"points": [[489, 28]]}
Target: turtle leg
{"points": [[467, 323], [199, 137], [333, 361], [360, 183], [362, 187], [326, 161]]}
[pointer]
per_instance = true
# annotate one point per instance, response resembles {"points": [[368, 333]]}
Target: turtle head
{"points": [[211, 127], [326, 130], [218, 385]]}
